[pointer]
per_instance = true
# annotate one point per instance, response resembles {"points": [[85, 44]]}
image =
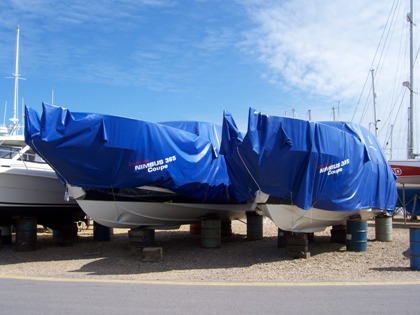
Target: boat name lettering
{"points": [[336, 171], [397, 171], [334, 168], [137, 162], [155, 166], [158, 168]]}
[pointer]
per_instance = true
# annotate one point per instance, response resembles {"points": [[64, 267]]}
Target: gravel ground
{"points": [[237, 260]]}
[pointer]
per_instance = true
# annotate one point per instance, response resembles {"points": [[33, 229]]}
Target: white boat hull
{"points": [[131, 214], [31, 188], [291, 218]]}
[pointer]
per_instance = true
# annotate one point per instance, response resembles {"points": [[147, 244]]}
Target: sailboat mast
{"points": [[375, 124], [410, 153], [16, 76]]}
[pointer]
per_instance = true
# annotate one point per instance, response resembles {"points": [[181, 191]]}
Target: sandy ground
{"points": [[237, 260]]}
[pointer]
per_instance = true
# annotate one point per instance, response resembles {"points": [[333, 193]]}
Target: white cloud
{"points": [[319, 46], [325, 49]]}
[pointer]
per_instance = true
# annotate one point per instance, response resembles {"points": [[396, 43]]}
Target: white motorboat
{"points": [[149, 206], [292, 218]]}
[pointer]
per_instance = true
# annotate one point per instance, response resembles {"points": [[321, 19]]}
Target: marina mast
{"points": [[16, 77], [410, 153]]}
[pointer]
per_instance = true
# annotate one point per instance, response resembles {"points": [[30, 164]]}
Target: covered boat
{"points": [[306, 176], [129, 173], [408, 185]]}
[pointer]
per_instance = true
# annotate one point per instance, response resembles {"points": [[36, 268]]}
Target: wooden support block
{"points": [[151, 254], [297, 245], [140, 238]]}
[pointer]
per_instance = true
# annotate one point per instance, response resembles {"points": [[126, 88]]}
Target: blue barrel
{"points": [[415, 247], [356, 235]]}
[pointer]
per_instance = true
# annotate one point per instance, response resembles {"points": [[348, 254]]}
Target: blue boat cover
{"points": [[102, 151], [327, 165]]}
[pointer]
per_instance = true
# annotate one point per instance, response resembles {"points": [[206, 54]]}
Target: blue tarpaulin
{"points": [[103, 151], [327, 165]]}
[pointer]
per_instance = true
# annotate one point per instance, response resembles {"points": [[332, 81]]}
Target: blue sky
{"points": [[160, 60]]}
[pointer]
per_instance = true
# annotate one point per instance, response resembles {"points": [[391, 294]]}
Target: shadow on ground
{"points": [[181, 251]]}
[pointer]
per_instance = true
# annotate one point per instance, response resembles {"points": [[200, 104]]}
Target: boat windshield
{"points": [[9, 152]]}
